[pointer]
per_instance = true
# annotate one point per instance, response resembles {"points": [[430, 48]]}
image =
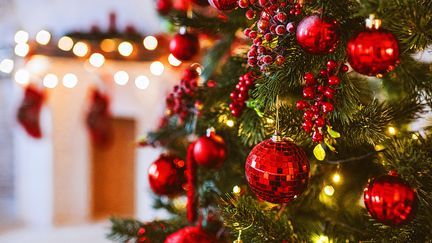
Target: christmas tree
{"points": [[318, 116]]}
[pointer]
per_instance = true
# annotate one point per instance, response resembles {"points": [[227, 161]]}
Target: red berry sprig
{"points": [[271, 25], [318, 95], [241, 93]]}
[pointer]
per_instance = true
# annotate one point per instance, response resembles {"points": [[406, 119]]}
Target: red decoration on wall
{"points": [[277, 170], [390, 200], [317, 35], [184, 46], [99, 119], [191, 234], [29, 111], [210, 150], [167, 175]]}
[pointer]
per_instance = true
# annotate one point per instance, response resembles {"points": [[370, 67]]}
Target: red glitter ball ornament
{"points": [[317, 35], [373, 52], [190, 234], [184, 46], [277, 170], [166, 175], [390, 200], [223, 4], [210, 150]]}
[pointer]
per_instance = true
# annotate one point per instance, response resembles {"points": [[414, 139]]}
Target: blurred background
{"points": [[66, 67]]}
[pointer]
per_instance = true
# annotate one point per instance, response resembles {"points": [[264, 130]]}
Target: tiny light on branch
{"points": [[336, 178], [230, 123], [236, 189], [329, 190], [392, 131]]}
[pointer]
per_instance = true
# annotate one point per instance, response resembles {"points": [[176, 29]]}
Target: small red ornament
{"points": [[163, 6], [191, 234], [166, 175], [210, 150], [99, 119], [184, 46], [277, 170], [390, 200], [316, 35], [223, 4], [373, 52], [29, 111]]}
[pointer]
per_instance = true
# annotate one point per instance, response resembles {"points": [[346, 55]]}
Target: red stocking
{"points": [[99, 119], [29, 111]]}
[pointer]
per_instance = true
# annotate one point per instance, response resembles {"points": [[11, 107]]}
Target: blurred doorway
{"points": [[113, 173]]}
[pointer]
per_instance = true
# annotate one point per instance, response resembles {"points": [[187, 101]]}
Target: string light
{"points": [[80, 49], [236, 189], [70, 80], [329, 190], [65, 43], [50, 81], [96, 60], [392, 131], [322, 239], [22, 49], [414, 136], [125, 48], [142, 82], [6, 65], [108, 45], [121, 78], [150, 43], [230, 123], [22, 76], [21, 36], [43, 37], [174, 61], [336, 178], [157, 68]]}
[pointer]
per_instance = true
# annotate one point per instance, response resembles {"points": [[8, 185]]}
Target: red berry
{"points": [[250, 14], [317, 136], [263, 24], [310, 78], [267, 59], [323, 73], [264, 15], [307, 126], [308, 115], [249, 82], [308, 93], [329, 93], [301, 105], [246, 32], [233, 95], [344, 68], [232, 106], [333, 80], [315, 109], [280, 60], [297, 6], [281, 17], [280, 30], [243, 95], [319, 97], [268, 37], [321, 88], [327, 107], [331, 65], [261, 50], [297, 12], [291, 27], [320, 122], [263, 2], [252, 61], [253, 34], [235, 113], [243, 3], [251, 53], [292, 11], [257, 41]]}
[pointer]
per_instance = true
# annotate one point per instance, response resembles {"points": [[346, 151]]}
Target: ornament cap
{"points": [[373, 23], [210, 131], [393, 173]]}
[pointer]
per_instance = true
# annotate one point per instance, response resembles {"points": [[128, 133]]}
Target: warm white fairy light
{"points": [[336, 178], [6, 65], [21, 36], [65, 43], [174, 61], [230, 123], [329, 190], [97, 60], [157, 68], [43, 37], [80, 49], [70, 80], [392, 131], [150, 43], [236, 189], [22, 49], [22, 76], [142, 82], [125, 48], [121, 78], [108, 45], [322, 239], [50, 81]]}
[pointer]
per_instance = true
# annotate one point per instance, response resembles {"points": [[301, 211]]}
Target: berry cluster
{"points": [[181, 99], [241, 93], [318, 95], [271, 24]]}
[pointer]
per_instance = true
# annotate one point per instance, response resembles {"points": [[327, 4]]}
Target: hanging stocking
{"points": [[29, 110], [99, 119]]}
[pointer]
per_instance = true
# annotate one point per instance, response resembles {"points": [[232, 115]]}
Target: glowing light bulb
{"points": [[80, 49], [50, 81], [22, 49], [414, 136], [336, 178], [125, 48], [70, 80], [43, 37], [121, 78], [230, 123], [142, 82], [65, 43], [322, 239], [157, 68], [174, 61], [6, 65], [22, 76], [97, 60], [150, 43], [21, 36], [392, 131], [236, 189], [329, 190], [108, 45]]}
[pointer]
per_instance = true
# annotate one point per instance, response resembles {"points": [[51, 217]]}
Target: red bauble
{"points": [[390, 200], [163, 6], [29, 111], [223, 4], [373, 52], [277, 170], [166, 175], [184, 46], [190, 234], [210, 151], [316, 35]]}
